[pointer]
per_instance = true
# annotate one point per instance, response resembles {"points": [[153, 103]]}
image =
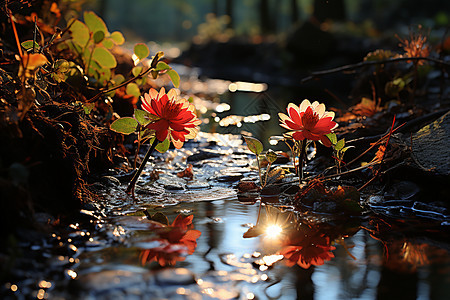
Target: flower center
{"points": [[309, 119]]}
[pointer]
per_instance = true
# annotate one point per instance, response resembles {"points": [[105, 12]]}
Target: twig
{"points": [[155, 61], [382, 157], [370, 63]]}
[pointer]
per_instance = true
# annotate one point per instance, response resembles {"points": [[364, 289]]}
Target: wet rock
{"points": [[430, 146], [325, 207], [110, 181], [178, 276], [196, 185], [148, 190], [248, 198], [112, 281], [270, 194], [202, 155], [229, 177], [246, 185], [402, 190], [171, 184]]}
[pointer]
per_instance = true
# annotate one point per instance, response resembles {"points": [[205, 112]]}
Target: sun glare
{"points": [[273, 231]]}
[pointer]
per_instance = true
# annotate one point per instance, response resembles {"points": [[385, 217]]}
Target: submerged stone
{"points": [[178, 276], [201, 155]]}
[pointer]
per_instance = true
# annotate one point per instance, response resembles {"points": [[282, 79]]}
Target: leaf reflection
{"points": [[174, 241]]}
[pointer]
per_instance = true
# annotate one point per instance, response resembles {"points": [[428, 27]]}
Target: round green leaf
{"points": [[80, 33], [94, 22], [136, 71], [133, 89], [161, 66], [141, 50], [126, 125], [104, 58], [99, 36], [253, 145], [107, 43], [118, 79], [174, 77], [117, 38]]}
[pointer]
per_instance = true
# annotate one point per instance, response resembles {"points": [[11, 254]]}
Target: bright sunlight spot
{"points": [[273, 231]]}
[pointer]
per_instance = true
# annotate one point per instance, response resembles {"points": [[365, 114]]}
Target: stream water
{"points": [[232, 249], [116, 252]]}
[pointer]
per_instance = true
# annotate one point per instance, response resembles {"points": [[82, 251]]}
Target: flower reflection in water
{"points": [[175, 241], [299, 241], [307, 247]]}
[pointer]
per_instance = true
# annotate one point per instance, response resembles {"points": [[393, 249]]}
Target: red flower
{"points": [[309, 121], [176, 117], [307, 251], [176, 241]]}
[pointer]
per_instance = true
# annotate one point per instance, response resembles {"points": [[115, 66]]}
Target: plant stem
{"points": [[131, 185], [301, 159], [259, 171]]}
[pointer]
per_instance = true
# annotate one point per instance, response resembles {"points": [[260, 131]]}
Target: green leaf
{"points": [[104, 58], [254, 145], [271, 156], [174, 77], [133, 89], [144, 117], [62, 65], [141, 50], [27, 45], [98, 37], [339, 145], [105, 76], [161, 66], [125, 125], [163, 146], [80, 33], [332, 137], [136, 71], [59, 77], [117, 38], [107, 43], [118, 79], [94, 22]]}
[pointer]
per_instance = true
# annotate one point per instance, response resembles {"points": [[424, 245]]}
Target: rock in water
{"points": [[431, 146]]}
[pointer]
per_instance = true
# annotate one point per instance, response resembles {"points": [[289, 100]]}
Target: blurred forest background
{"points": [[184, 20]]}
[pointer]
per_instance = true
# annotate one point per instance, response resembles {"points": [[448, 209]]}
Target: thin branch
{"points": [[370, 63], [155, 61]]}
